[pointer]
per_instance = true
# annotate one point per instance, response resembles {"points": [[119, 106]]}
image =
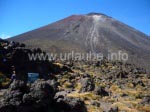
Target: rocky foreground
{"points": [[73, 86], [110, 87], [41, 96]]}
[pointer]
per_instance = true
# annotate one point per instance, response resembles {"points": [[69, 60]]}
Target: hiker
{"points": [[13, 77]]}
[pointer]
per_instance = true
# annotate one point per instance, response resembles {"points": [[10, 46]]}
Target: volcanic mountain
{"points": [[93, 32]]}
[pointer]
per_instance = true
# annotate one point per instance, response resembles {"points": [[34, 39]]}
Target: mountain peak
{"points": [[96, 14], [93, 32]]}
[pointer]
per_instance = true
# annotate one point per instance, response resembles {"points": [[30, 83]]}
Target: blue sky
{"points": [[19, 16]]}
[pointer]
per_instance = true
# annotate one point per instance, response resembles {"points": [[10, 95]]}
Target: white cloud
{"points": [[4, 36]]}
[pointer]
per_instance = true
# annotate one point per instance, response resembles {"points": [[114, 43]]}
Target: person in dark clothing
{"points": [[13, 76]]}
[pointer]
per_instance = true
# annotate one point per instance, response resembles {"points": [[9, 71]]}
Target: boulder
{"points": [[114, 109], [101, 91], [41, 91], [138, 82], [87, 84], [38, 98], [146, 100], [68, 104], [14, 94]]}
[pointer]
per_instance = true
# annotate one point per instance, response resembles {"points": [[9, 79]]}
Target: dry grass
{"points": [[59, 64], [78, 87], [84, 96], [3, 80], [144, 108], [91, 108], [67, 85], [115, 89], [123, 107]]}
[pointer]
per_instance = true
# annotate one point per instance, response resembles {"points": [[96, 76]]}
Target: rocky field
{"points": [[72, 86]]}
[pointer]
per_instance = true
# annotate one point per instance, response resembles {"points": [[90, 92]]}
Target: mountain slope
{"points": [[92, 32]]}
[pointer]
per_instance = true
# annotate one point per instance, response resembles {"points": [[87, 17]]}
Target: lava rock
{"points": [[146, 100], [18, 85], [69, 104], [87, 84], [38, 98], [114, 109], [101, 91]]}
